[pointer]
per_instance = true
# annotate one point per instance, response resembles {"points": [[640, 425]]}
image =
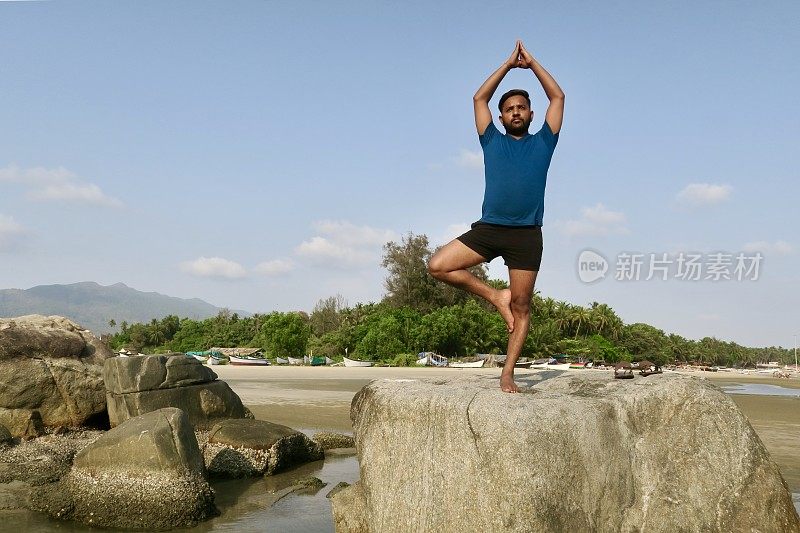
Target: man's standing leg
{"points": [[450, 265], [522, 282]]}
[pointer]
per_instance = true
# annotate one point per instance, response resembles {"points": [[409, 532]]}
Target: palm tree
{"points": [[580, 317]]}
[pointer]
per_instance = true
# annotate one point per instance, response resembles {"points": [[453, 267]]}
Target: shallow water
{"points": [[760, 389]]}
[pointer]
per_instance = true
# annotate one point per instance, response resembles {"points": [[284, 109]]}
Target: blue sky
{"points": [[258, 154]]}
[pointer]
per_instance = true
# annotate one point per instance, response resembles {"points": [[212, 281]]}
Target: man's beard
{"points": [[518, 128]]}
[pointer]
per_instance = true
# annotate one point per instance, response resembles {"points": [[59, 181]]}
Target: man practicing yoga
{"points": [[511, 226]]}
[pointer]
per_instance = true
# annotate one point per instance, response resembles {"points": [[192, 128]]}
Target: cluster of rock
{"points": [[571, 453], [149, 471]]}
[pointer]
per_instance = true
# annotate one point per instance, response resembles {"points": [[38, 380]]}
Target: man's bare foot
{"points": [[507, 384], [503, 305]]}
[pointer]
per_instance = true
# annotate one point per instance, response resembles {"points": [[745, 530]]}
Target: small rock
{"points": [[329, 441], [339, 486], [311, 482], [244, 448]]}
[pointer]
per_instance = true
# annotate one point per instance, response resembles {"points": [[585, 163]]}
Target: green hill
{"points": [[92, 305]]}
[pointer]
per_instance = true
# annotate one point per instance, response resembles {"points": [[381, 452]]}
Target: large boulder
{"points": [[242, 448], [50, 374], [572, 452], [138, 385], [147, 473]]}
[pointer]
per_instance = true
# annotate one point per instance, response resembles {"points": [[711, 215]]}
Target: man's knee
{"points": [[520, 305], [436, 267]]}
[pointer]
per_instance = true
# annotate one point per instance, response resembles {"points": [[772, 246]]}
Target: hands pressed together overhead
{"points": [[520, 57]]}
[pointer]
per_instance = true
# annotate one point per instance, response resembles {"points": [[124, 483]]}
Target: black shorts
{"points": [[520, 246]]}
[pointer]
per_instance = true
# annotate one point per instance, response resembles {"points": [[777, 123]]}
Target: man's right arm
{"points": [[483, 116]]}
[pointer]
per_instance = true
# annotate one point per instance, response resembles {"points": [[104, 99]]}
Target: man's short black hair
{"points": [[513, 92]]}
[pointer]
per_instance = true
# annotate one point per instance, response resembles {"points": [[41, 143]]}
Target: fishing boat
{"points": [[317, 361], [281, 361], [217, 359], [431, 359], [470, 364], [355, 362], [200, 356], [295, 361], [249, 361], [622, 370], [577, 366]]}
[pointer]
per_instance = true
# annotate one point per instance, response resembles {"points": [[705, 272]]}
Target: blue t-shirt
{"points": [[516, 174]]}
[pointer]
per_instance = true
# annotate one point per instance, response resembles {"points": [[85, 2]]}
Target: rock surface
{"points": [[50, 374], [572, 452], [146, 473], [330, 441], [243, 448], [138, 385]]}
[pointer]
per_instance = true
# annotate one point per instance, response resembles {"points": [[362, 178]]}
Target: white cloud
{"points": [[346, 233], [344, 245], [11, 233], [214, 267], [777, 247], [469, 159], [595, 221], [276, 267], [697, 194], [57, 184], [450, 232], [86, 193]]}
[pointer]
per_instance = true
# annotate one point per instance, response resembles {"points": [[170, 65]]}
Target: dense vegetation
{"points": [[420, 314]]}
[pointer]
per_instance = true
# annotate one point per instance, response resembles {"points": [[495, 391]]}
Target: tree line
{"points": [[419, 314]]}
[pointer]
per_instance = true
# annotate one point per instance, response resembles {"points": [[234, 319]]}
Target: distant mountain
{"points": [[92, 305]]}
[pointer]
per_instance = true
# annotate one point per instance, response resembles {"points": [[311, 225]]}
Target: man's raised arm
{"points": [[483, 116], [555, 111]]}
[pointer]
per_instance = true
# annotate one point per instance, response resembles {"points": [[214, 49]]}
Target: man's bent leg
{"points": [[450, 265], [522, 282]]}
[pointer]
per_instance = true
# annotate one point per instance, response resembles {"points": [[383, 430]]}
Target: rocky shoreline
{"points": [[170, 427]]}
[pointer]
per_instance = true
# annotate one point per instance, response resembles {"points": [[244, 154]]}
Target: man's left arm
{"points": [[555, 111]]}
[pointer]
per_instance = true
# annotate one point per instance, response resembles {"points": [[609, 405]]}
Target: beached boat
{"points": [[250, 361], [281, 361], [622, 370], [215, 359], [328, 360], [471, 364], [295, 361], [355, 362], [647, 368], [577, 366], [431, 359], [317, 361]]}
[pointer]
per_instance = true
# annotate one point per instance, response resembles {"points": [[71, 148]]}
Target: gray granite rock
{"points": [[147, 473], [138, 385], [572, 452], [51, 367], [242, 448]]}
